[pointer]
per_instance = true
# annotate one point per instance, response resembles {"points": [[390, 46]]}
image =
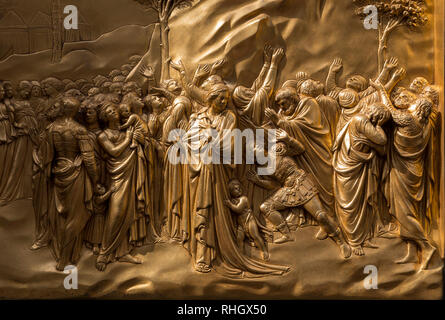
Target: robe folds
{"points": [[406, 189], [356, 180], [309, 126], [128, 203], [71, 206], [210, 218]]}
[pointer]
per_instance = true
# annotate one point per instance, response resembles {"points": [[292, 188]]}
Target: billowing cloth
{"points": [[70, 208], [356, 180], [308, 125], [213, 226], [175, 188], [405, 189], [127, 204]]}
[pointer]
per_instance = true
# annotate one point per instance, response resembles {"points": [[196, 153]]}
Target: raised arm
{"points": [[268, 52], [271, 76], [148, 73], [331, 79], [390, 64], [398, 116], [201, 72]]}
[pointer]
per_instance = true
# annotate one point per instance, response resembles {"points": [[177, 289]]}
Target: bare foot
{"points": [[345, 250], [96, 250], [321, 234], [130, 259], [60, 266], [369, 244], [283, 239], [203, 268], [358, 250], [265, 256], [37, 245], [427, 254], [407, 257], [101, 263]]}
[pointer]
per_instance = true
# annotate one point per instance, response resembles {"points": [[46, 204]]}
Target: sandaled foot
{"points": [[321, 234], [358, 251], [130, 259]]}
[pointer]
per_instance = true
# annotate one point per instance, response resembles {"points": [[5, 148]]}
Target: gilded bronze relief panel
{"points": [[221, 149]]}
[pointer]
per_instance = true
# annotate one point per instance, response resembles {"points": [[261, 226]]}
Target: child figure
{"points": [[240, 204], [132, 119]]}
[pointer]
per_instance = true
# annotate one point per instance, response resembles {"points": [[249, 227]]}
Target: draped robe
{"points": [[356, 179], [405, 189], [209, 189], [128, 203], [308, 125]]}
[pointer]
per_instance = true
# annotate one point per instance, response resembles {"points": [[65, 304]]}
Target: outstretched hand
{"points": [[301, 75], [268, 52], [336, 65], [202, 70], [178, 66], [399, 74], [146, 71], [391, 63], [218, 64], [282, 135], [277, 55]]}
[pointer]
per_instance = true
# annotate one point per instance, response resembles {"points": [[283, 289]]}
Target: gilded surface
{"points": [[119, 149]]}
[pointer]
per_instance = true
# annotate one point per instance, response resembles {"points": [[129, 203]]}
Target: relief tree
{"points": [[392, 14], [57, 30], [165, 8]]}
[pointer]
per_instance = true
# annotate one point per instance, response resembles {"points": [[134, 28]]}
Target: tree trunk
{"points": [[57, 31], [165, 51]]}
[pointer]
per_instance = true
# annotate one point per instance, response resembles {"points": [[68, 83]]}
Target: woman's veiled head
{"points": [[218, 97]]}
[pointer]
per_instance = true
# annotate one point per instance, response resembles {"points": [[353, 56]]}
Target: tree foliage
{"points": [[410, 13], [165, 8]]}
